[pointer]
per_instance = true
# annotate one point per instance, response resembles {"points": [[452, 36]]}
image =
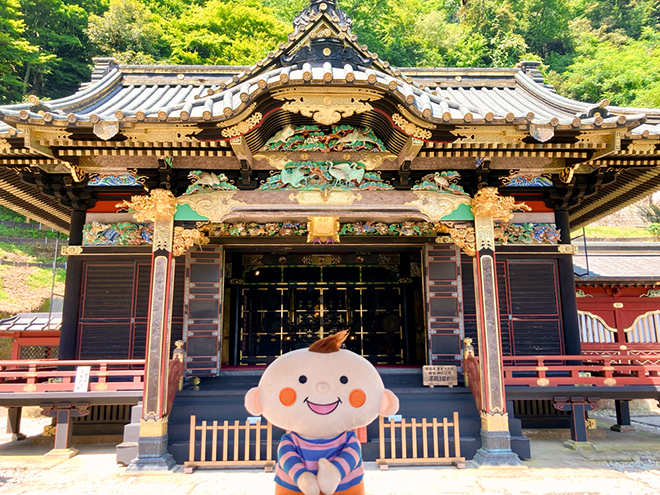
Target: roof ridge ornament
{"points": [[317, 7]]}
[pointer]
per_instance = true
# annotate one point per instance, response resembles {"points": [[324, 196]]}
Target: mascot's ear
{"points": [[252, 402], [389, 405]]}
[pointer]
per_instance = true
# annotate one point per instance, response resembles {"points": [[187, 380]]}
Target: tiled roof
{"points": [[176, 93], [32, 322], [621, 261]]}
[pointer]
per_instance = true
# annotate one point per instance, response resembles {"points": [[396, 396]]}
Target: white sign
{"points": [[82, 379], [253, 420], [394, 418]]}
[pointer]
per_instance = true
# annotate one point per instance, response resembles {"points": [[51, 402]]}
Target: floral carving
{"points": [[184, 239], [160, 204]]}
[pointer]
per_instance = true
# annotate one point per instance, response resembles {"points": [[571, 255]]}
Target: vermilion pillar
{"points": [[488, 206], [159, 207]]}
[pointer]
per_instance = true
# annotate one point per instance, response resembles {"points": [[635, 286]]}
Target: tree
{"points": [[225, 32], [15, 51], [129, 32], [58, 28]]}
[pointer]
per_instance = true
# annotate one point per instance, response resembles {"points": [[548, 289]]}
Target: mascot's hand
{"points": [[328, 477], [308, 484]]}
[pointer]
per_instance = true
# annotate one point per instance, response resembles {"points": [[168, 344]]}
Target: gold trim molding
{"points": [[212, 205], [417, 121], [326, 106], [409, 128], [243, 127], [326, 197], [71, 250], [160, 204], [153, 427], [567, 249], [4, 146], [437, 205], [495, 421]]}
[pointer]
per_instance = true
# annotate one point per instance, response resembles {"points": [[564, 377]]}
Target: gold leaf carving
{"points": [[327, 197], [187, 238], [243, 127], [465, 239], [567, 249], [213, 205], [477, 134], [326, 106], [488, 202], [159, 135], [323, 229], [436, 205], [276, 159], [71, 250], [410, 128], [159, 204], [4, 146], [636, 147]]}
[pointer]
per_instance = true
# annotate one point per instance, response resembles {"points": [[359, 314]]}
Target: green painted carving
{"points": [[310, 176], [308, 138], [117, 234]]}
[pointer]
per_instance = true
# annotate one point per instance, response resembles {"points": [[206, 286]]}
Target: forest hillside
{"points": [[590, 49]]}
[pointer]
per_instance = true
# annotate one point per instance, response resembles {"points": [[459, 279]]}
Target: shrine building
{"points": [[249, 211]]}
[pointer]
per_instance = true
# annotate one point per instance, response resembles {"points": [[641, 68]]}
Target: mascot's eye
{"points": [[344, 380], [302, 379]]}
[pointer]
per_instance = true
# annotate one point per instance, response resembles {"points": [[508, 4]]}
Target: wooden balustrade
{"points": [[589, 369], [47, 375], [236, 458], [404, 456]]}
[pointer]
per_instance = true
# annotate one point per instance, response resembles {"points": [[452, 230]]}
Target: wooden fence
{"points": [[48, 375], [236, 458], [408, 436]]}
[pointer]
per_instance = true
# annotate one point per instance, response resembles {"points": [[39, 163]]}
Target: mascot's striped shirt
{"points": [[296, 455]]}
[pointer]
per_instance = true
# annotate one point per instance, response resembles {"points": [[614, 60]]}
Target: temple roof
{"points": [[216, 93], [32, 322]]}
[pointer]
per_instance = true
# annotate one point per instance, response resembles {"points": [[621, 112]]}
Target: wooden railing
{"points": [[44, 375], [238, 457], [404, 456], [591, 369]]}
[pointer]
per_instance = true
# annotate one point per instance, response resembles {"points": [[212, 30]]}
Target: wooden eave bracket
{"points": [[244, 155], [611, 139], [408, 153]]}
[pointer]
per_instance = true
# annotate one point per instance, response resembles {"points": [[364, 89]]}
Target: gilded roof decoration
{"points": [[243, 126], [160, 203]]}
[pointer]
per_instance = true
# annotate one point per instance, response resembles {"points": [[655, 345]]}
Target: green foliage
{"points": [[31, 233], [224, 32], [8, 215], [127, 31], [15, 51], [654, 229]]}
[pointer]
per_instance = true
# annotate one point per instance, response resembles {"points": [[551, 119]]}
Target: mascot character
{"points": [[320, 394]]}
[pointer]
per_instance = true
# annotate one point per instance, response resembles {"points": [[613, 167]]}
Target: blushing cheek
{"points": [[357, 398], [288, 396]]}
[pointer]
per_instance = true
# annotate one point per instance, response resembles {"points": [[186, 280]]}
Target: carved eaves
{"points": [[510, 135], [162, 135], [642, 147]]}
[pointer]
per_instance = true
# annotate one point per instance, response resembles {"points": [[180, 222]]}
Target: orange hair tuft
{"points": [[329, 344]]}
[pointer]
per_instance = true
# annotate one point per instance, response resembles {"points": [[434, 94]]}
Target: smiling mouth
{"points": [[323, 409]]}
